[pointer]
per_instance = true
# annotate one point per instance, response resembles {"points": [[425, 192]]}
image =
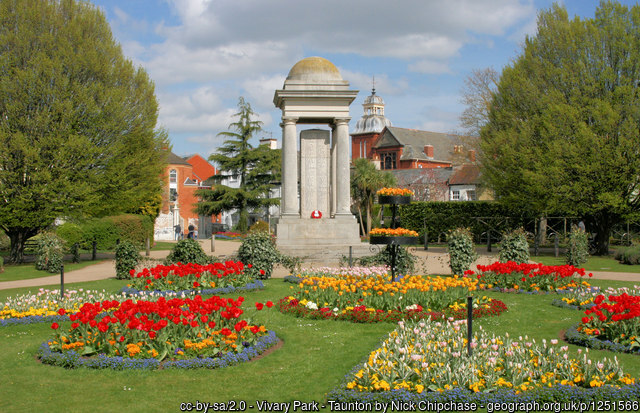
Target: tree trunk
{"points": [[368, 218], [361, 222], [18, 237], [602, 227], [542, 230]]}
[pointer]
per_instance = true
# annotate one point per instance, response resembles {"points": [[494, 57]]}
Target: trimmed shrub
{"points": [[102, 231], [134, 228], [514, 247], [127, 258], [462, 252], [188, 250], [577, 247], [405, 262], [259, 250], [260, 225], [71, 233], [629, 255], [50, 253]]}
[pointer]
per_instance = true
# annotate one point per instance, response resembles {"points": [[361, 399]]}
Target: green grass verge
{"points": [[29, 271], [163, 246], [313, 359], [595, 263]]}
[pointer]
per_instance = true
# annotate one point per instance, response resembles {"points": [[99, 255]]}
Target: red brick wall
{"points": [[203, 169], [370, 139]]}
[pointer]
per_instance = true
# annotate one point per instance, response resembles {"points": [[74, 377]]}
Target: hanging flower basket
{"points": [[399, 196], [394, 199], [383, 240], [388, 236]]}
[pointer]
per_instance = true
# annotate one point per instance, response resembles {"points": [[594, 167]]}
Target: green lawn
{"points": [[594, 263], [28, 271], [163, 246], [313, 359]]}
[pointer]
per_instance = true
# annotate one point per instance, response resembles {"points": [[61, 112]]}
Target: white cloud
{"points": [[260, 90], [384, 85], [247, 47], [174, 63], [227, 38], [430, 67]]}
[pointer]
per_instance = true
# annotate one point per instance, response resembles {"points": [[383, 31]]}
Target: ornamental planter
{"points": [[389, 240], [394, 199]]}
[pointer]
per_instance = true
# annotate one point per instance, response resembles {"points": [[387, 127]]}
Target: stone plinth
{"points": [[319, 240], [305, 231]]}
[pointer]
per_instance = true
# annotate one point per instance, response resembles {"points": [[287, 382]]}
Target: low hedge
{"points": [[629, 255], [106, 231]]}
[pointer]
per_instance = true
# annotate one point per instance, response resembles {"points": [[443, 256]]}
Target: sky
{"points": [[204, 54]]}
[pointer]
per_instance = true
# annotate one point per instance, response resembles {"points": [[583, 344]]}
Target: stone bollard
{"points": [[213, 242]]}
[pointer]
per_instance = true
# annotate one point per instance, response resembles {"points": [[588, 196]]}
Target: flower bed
{"points": [[229, 235], [429, 357], [73, 359], [510, 276], [363, 314], [615, 319], [165, 330], [191, 278], [377, 298], [44, 305], [581, 298]]}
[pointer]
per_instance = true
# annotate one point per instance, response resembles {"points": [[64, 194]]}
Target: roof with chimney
{"points": [[414, 141]]}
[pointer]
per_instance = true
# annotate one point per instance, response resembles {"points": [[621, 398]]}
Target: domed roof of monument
{"points": [[314, 69]]}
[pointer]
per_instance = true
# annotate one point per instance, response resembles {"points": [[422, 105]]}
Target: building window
{"points": [[455, 195], [173, 194], [234, 178], [471, 195], [173, 176], [388, 160]]}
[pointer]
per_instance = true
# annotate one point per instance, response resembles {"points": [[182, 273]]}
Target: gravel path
{"points": [[430, 262]]}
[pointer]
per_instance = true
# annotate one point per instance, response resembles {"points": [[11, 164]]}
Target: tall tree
{"points": [[477, 96], [563, 129], [77, 119], [257, 168], [366, 180]]}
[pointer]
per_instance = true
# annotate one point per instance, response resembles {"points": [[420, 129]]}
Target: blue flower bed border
{"points": [[252, 286], [73, 359], [573, 336], [32, 319], [560, 393]]}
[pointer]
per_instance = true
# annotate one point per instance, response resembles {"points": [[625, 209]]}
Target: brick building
{"points": [[433, 157], [184, 176]]}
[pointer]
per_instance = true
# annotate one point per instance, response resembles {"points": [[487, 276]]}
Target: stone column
{"points": [[343, 190], [290, 207], [333, 171]]}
